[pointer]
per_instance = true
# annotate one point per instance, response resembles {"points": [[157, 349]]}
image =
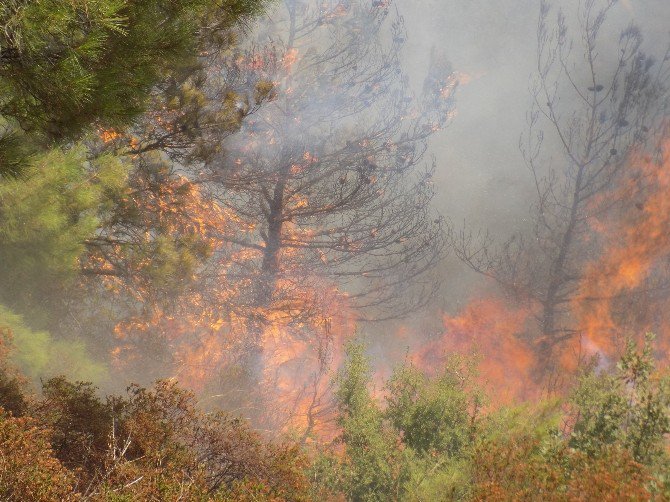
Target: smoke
{"points": [[329, 125], [481, 176]]}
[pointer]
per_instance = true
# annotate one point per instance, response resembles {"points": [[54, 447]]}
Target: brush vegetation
{"points": [[426, 439]]}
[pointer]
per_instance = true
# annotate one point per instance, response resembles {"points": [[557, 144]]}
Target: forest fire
{"points": [[624, 291], [298, 370], [492, 332], [303, 330], [299, 357], [108, 135], [304, 216], [290, 58], [231, 268], [294, 368]]}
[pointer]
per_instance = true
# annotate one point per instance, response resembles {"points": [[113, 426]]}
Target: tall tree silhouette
{"points": [[593, 105], [329, 175]]}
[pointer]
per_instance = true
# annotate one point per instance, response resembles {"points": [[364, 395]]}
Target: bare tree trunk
{"points": [[557, 281], [273, 243]]}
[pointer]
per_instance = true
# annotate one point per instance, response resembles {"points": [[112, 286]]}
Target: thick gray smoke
{"points": [[481, 176]]}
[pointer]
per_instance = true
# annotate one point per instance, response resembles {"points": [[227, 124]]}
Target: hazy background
{"points": [[481, 176]]}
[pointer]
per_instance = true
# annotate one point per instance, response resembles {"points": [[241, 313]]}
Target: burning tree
{"points": [[145, 257], [316, 212], [592, 108], [326, 197], [328, 177]]}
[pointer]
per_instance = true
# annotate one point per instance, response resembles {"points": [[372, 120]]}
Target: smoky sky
{"points": [[481, 177]]}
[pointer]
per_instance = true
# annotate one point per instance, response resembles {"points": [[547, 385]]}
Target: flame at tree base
{"points": [[286, 384]]}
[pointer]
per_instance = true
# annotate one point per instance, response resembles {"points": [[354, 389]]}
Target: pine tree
{"points": [[66, 65]]}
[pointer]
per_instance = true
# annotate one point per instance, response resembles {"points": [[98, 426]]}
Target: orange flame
{"points": [[493, 330], [622, 291]]}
